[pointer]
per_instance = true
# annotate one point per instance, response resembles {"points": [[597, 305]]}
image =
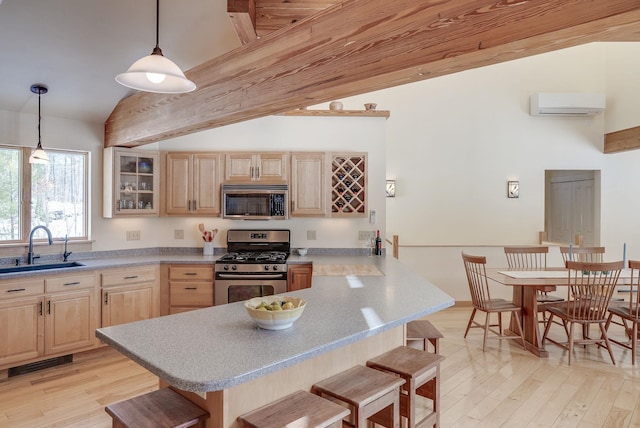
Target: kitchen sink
{"points": [[37, 267]]}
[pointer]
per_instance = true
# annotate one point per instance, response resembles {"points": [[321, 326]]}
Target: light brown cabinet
{"points": [[46, 317], [131, 183], [348, 185], [192, 183], [130, 294], [190, 287], [22, 315], [307, 191], [261, 167], [71, 313], [299, 276]]}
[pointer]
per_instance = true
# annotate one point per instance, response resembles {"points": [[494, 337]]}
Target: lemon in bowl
{"points": [[275, 312]]}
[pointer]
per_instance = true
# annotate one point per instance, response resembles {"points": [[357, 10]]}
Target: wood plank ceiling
{"points": [[300, 56]]}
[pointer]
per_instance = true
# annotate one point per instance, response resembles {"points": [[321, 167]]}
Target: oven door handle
{"points": [[240, 276]]}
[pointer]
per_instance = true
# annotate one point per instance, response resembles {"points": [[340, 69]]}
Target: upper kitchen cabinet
{"points": [[349, 185], [261, 167], [131, 182], [192, 183], [308, 188]]}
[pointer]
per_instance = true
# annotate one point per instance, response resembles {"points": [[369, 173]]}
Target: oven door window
{"points": [[238, 293], [256, 204]]}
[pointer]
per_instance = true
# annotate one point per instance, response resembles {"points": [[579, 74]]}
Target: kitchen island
{"points": [[218, 358]]}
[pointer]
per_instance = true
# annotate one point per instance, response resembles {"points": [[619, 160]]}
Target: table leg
{"points": [[527, 299]]}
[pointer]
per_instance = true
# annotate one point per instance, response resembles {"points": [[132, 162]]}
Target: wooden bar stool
{"points": [[425, 331], [365, 392], [163, 408], [298, 409], [421, 372]]}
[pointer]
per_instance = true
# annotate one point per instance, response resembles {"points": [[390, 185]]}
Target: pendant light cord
{"points": [[157, 50], [39, 119], [157, 23]]}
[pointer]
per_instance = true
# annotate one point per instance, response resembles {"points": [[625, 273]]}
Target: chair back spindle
{"points": [[634, 289], [582, 254], [475, 267], [526, 258], [591, 286]]}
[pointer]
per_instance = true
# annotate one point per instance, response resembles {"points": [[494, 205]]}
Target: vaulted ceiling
{"points": [[305, 52]]}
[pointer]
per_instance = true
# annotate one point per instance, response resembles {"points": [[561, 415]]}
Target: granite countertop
{"points": [[219, 347]]}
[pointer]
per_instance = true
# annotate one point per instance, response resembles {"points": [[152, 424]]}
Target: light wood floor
{"points": [[502, 387]]}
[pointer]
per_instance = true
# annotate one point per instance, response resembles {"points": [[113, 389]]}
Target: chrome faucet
{"points": [[30, 255]]}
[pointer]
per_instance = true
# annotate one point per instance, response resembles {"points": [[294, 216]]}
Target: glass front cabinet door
{"points": [[131, 182]]}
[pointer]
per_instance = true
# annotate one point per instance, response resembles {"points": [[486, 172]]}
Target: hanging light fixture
{"points": [[156, 73], [39, 155]]}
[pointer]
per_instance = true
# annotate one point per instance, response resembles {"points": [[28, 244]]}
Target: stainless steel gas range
{"points": [[255, 265]]}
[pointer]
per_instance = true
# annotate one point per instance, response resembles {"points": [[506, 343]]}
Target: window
{"points": [[52, 195]]}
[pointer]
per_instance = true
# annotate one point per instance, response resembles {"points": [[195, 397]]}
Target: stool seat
{"points": [[163, 408], [364, 391], [304, 406], [421, 372], [424, 330]]}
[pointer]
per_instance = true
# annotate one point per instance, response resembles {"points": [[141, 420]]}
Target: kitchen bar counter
{"points": [[215, 348], [219, 359]]}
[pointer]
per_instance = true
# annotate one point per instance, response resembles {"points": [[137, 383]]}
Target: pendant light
{"points": [[156, 73], [39, 155]]}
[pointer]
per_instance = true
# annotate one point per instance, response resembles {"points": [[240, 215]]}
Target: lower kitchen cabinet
{"points": [[129, 295], [22, 329], [44, 318], [190, 287], [299, 276]]}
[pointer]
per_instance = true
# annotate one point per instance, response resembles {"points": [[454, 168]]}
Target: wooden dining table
{"points": [[526, 284]]}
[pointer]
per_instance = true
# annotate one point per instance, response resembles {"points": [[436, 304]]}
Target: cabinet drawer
{"points": [[194, 293], [20, 288], [128, 276], [69, 283], [189, 272]]}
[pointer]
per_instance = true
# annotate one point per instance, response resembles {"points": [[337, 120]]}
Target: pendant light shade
{"points": [[39, 155], [156, 73]]}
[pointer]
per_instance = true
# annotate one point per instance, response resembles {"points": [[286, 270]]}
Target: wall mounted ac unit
{"points": [[566, 104]]}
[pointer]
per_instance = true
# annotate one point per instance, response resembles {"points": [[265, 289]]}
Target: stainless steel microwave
{"points": [[254, 201]]}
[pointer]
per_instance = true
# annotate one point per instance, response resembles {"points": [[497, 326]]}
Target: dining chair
{"points": [[475, 267], [582, 254], [629, 312], [589, 292], [592, 255], [533, 258]]}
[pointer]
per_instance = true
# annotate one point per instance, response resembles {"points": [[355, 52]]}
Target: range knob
{"points": [[226, 267], [234, 267], [275, 267], [266, 267]]}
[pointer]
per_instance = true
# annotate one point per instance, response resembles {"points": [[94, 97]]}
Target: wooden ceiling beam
{"points": [[620, 141], [243, 17], [363, 45]]}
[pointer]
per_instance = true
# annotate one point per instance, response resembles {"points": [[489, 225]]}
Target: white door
{"points": [[573, 207]]}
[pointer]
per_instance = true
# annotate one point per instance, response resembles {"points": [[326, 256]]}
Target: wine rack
{"points": [[349, 185]]}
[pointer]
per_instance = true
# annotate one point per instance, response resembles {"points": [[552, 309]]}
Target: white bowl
{"points": [[302, 251], [275, 320]]}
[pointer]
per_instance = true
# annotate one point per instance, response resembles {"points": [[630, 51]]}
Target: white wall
{"points": [[454, 142]]}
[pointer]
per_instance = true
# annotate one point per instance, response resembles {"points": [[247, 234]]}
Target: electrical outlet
{"points": [[178, 234], [311, 235], [133, 235], [363, 235]]}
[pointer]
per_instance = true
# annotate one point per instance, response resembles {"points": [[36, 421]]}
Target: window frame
{"points": [[25, 192]]}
